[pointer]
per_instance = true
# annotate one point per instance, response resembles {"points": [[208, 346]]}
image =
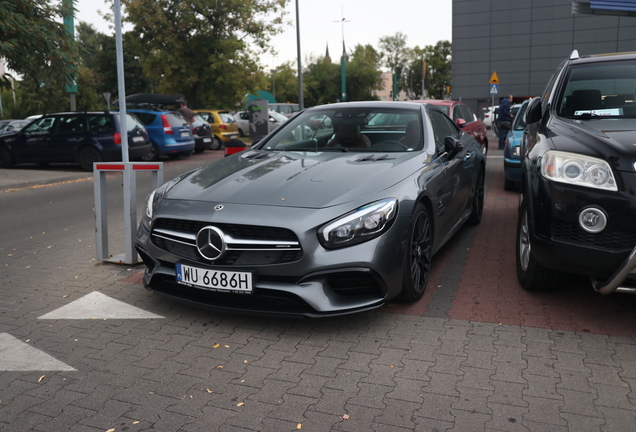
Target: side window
{"points": [[467, 114], [457, 112], [442, 128], [41, 126], [549, 89], [70, 124], [100, 123], [146, 118]]}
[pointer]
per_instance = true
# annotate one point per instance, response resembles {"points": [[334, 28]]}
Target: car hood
{"points": [[310, 180], [613, 140]]}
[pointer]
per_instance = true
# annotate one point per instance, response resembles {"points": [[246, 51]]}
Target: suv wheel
{"points": [[87, 156], [532, 275]]}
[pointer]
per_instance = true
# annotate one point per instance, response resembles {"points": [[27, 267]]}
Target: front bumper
{"points": [[512, 169], [559, 242], [314, 282]]}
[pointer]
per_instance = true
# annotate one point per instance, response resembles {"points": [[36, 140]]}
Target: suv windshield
{"points": [[376, 129], [604, 89]]}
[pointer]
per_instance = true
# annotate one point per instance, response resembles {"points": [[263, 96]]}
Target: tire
{"points": [[417, 256], [509, 185], [6, 161], [216, 144], [478, 200], [241, 133], [152, 155], [87, 156], [532, 275]]}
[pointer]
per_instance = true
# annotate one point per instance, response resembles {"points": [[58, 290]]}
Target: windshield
{"points": [[599, 90], [371, 129]]}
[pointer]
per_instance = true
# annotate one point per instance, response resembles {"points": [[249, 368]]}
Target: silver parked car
{"points": [[243, 121], [338, 211]]}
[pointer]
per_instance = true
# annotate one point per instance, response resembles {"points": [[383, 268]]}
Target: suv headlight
{"points": [[578, 170], [362, 224]]}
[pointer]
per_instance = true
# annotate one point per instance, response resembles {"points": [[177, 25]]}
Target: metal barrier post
{"points": [[129, 171]]}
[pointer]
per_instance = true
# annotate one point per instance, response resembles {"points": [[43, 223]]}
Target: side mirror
{"points": [[533, 113], [452, 146], [460, 122]]}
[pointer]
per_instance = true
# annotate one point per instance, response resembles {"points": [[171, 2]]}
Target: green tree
{"points": [[200, 47], [439, 59], [395, 56], [34, 41], [99, 55], [321, 82], [283, 83], [363, 73]]}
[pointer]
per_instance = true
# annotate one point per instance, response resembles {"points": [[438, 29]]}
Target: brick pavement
{"points": [[455, 361]]}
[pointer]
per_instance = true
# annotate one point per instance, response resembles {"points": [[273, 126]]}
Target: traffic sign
{"points": [[494, 79], [494, 89]]}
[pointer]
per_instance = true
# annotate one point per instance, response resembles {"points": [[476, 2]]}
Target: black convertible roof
{"points": [[152, 100]]}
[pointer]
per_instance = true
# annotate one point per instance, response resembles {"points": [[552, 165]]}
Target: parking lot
{"points": [[83, 347]]}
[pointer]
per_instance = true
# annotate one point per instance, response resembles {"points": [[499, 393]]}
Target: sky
{"points": [[423, 22]]}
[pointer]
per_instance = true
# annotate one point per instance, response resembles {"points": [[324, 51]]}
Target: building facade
{"points": [[523, 41]]}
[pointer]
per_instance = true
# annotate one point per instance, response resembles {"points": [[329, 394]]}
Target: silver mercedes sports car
{"points": [[338, 211]]}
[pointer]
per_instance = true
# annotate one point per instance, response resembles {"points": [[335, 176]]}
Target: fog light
{"points": [[592, 220]]}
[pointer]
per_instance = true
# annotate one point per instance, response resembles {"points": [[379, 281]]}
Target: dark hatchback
{"points": [[578, 180], [202, 134], [75, 137]]}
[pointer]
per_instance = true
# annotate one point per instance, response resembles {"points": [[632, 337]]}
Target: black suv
{"points": [[578, 184], [76, 137]]}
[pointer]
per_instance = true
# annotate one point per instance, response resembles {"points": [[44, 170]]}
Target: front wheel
{"points": [[532, 275], [87, 156], [417, 257], [6, 161]]}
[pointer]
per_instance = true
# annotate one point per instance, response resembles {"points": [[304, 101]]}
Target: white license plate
{"points": [[184, 134], [138, 139], [214, 280], [207, 139], [233, 136]]}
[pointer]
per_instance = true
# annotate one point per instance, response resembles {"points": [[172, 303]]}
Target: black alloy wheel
{"points": [[418, 254]]}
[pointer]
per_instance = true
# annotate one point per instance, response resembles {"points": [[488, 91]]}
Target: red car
{"points": [[465, 118]]}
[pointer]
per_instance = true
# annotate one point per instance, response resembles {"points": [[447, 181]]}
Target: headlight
{"points": [[577, 169], [360, 225], [152, 200], [516, 151]]}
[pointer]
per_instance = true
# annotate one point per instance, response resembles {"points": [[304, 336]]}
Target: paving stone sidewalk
{"points": [[193, 370]]}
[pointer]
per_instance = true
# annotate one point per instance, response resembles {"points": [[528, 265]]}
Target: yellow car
{"points": [[224, 127]]}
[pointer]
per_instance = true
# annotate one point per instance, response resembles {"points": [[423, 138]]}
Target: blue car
{"points": [[169, 133], [512, 149]]}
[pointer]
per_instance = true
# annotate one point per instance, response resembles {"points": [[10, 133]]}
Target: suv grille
{"points": [[607, 239], [178, 237]]}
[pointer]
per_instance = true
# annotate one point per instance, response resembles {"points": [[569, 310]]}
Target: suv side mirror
{"points": [[533, 113], [452, 146]]}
